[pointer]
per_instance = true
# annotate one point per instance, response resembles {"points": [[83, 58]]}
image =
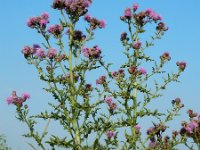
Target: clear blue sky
{"points": [[182, 41]]}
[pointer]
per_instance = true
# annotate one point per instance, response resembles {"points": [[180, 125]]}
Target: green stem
{"points": [[72, 87], [134, 115]]}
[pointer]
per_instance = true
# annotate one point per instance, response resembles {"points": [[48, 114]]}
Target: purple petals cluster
{"points": [[191, 129], [177, 102], [29, 51], [58, 4], [52, 52], [143, 17], [37, 52], [161, 27], [101, 80], [135, 71], [153, 15], [124, 36], [110, 134], [40, 53], [142, 71], [94, 23], [156, 130], [181, 65], [78, 35], [108, 100], [119, 73], [93, 53], [137, 45], [18, 101], [128, 13], [111, 104], [56, 30], [75, 8], [165, 57], [137, 129], [135, 7], [38, 22]]}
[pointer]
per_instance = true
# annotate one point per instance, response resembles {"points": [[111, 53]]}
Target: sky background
{"points": [[181, 41]]}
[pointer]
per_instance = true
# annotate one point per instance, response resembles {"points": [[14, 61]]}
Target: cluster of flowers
{"points": [[94, 23], [93, 53], [192, 128], [111, 104], [135, 71], [161, 27], [38, 22], [38, 52], [119, 73], [75, 8], [56, 30], [156, 138], [63, 79], [18, 101], [143, 17], [101, 80]]}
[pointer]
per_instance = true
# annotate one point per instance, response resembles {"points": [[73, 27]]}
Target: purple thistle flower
{"points": [[43, 22], [165, 56], [193, 125], [25, 96], [55, 29], [188, 129], [40, 53], [137, 45], [108, 100], [101, 80], [128, 13], [148, 11], [35, 47], [135, 7], [52, 53], [181, 65], [10, 100], [85, 52], [110, 134], [112, 106], [87, 17], [142, 71], [32, 22], [132, 69], [114, 74], [27, 50], [58, 4], [137, 128], [45, 16], [102, 24]]}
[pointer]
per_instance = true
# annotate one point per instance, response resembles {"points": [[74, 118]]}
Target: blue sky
{"points": [[182, 41]]}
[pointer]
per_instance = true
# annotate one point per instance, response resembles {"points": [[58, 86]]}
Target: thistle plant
{"points": [[79, 106]]}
